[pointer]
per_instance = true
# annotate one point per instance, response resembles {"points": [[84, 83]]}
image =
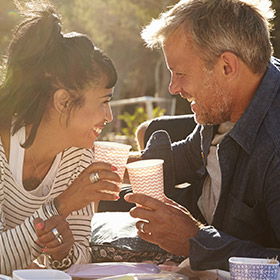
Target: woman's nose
{"points": [[108, 113]]}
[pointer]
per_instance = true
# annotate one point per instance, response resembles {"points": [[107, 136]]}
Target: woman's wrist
{"points": [[61, 207], [65, 263]]}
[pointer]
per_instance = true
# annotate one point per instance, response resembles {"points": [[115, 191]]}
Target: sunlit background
{"points": [[114, 26]]}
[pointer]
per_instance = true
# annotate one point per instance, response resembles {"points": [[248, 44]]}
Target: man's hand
{"points": [[166, 224]]}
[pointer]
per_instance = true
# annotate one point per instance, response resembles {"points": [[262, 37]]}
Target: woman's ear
{"points": [[61, 100]]}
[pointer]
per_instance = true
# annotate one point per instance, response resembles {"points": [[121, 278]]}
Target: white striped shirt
{"points": [[18, 209]]}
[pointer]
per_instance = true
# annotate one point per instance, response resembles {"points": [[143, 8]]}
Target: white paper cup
{"points": [[42, 274], [253, 269], [146, 176], [113, 153]]}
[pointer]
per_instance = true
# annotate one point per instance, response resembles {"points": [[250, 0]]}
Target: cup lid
{"points": [[262, 261], [144, 163], [112, 144]]}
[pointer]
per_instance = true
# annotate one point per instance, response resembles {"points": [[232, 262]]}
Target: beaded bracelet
{"points": [[64, 263]]}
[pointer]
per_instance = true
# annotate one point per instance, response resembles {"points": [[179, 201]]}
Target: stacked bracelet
{"points": [[51, 209], [64, 263]]}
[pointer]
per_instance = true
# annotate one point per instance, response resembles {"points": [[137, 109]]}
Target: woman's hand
{"points": [[57, 248], [82, 192]]}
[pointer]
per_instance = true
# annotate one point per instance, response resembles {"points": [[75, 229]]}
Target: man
{"points": [[219, 56]]}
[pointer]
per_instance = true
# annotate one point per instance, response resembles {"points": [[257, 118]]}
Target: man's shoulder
{"points": [[275, 61]]}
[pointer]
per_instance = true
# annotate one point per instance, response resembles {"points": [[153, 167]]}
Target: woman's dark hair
{"points": [[41, 60]]}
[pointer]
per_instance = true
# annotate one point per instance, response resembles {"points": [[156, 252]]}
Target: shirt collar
{"points": [[245, 130]]}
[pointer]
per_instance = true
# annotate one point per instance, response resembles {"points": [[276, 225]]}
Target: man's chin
{"points": [[203, 121]]}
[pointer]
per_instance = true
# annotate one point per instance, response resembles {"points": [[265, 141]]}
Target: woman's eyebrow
{"points": [[108, 95]]}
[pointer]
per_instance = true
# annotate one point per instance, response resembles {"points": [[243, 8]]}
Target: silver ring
{"points": [[55, 232], [59, 239], [94, 177], [142, 227]]}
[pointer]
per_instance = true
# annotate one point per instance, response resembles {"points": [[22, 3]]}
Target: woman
{"points": [[54, 102]]}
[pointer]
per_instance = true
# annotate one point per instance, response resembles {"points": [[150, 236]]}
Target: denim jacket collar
{"points": [[245, 130]]}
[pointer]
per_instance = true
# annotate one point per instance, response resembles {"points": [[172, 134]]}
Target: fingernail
{"points": [[117, 197], [40, 225], [44, 249], [40, 244], [114, 168], [127, 197]]}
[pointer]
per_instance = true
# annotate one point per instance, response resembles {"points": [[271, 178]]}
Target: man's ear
{"points": [[230, 65], [61, 99]]}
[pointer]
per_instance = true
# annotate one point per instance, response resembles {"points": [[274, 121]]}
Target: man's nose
{"points": [[174, 87]]}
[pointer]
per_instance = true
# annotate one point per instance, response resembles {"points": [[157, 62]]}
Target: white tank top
{"points": [[16, 159]]}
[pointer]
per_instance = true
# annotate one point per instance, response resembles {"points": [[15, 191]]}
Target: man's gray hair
{"points": [[215, 26]]}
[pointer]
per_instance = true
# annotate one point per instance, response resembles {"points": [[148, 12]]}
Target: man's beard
{"points": [[219, 110]]}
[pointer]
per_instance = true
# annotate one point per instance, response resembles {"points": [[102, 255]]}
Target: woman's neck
{"points": [[40, 156]]}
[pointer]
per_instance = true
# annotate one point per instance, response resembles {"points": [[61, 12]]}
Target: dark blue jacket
{"points": [[247, 218]]}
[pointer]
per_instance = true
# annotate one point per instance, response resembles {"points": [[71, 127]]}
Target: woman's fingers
{"points": [[82, 191], [106, 175], [63, 238], [62, 250], [55, 237], [99, 165], [104, 186]]}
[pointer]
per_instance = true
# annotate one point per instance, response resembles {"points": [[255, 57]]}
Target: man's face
{"points": [[190, 78]]}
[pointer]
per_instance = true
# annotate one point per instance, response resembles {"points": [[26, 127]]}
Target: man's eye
{"points": [[179, 74]]}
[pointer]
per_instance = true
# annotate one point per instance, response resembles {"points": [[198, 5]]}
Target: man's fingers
{"points": [[108, 196], [144, 200]]}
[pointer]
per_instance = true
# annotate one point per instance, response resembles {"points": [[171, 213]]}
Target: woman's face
{"points": [[87, 122]]}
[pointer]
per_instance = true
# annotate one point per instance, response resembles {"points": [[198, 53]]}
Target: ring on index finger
{"points": [[94, 177]]}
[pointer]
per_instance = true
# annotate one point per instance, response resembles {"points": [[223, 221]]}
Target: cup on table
{"points": [[113, 153], [146, 176], [253, 268]]}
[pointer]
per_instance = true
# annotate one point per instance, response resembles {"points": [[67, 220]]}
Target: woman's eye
{"points": [[107, 101]]}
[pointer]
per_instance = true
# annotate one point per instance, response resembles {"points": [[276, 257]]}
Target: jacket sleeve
{"points": [[211, 248], [187, 157]]}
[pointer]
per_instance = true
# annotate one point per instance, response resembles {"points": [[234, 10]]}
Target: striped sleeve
{"points": [[18, 247], [79, 221]]}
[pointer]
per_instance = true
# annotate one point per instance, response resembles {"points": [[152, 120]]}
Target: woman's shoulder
{"points": [[5, 140], [78, 154]]}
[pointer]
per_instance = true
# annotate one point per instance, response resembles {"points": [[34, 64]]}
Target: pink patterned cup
{"points": [[146, 176], [113, 153]]}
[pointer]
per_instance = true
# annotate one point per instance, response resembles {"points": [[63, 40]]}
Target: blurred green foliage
{"points": [[115, 26], [132, 121]]}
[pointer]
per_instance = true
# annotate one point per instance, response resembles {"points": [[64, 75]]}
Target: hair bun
{"points": [[37, 35]]}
